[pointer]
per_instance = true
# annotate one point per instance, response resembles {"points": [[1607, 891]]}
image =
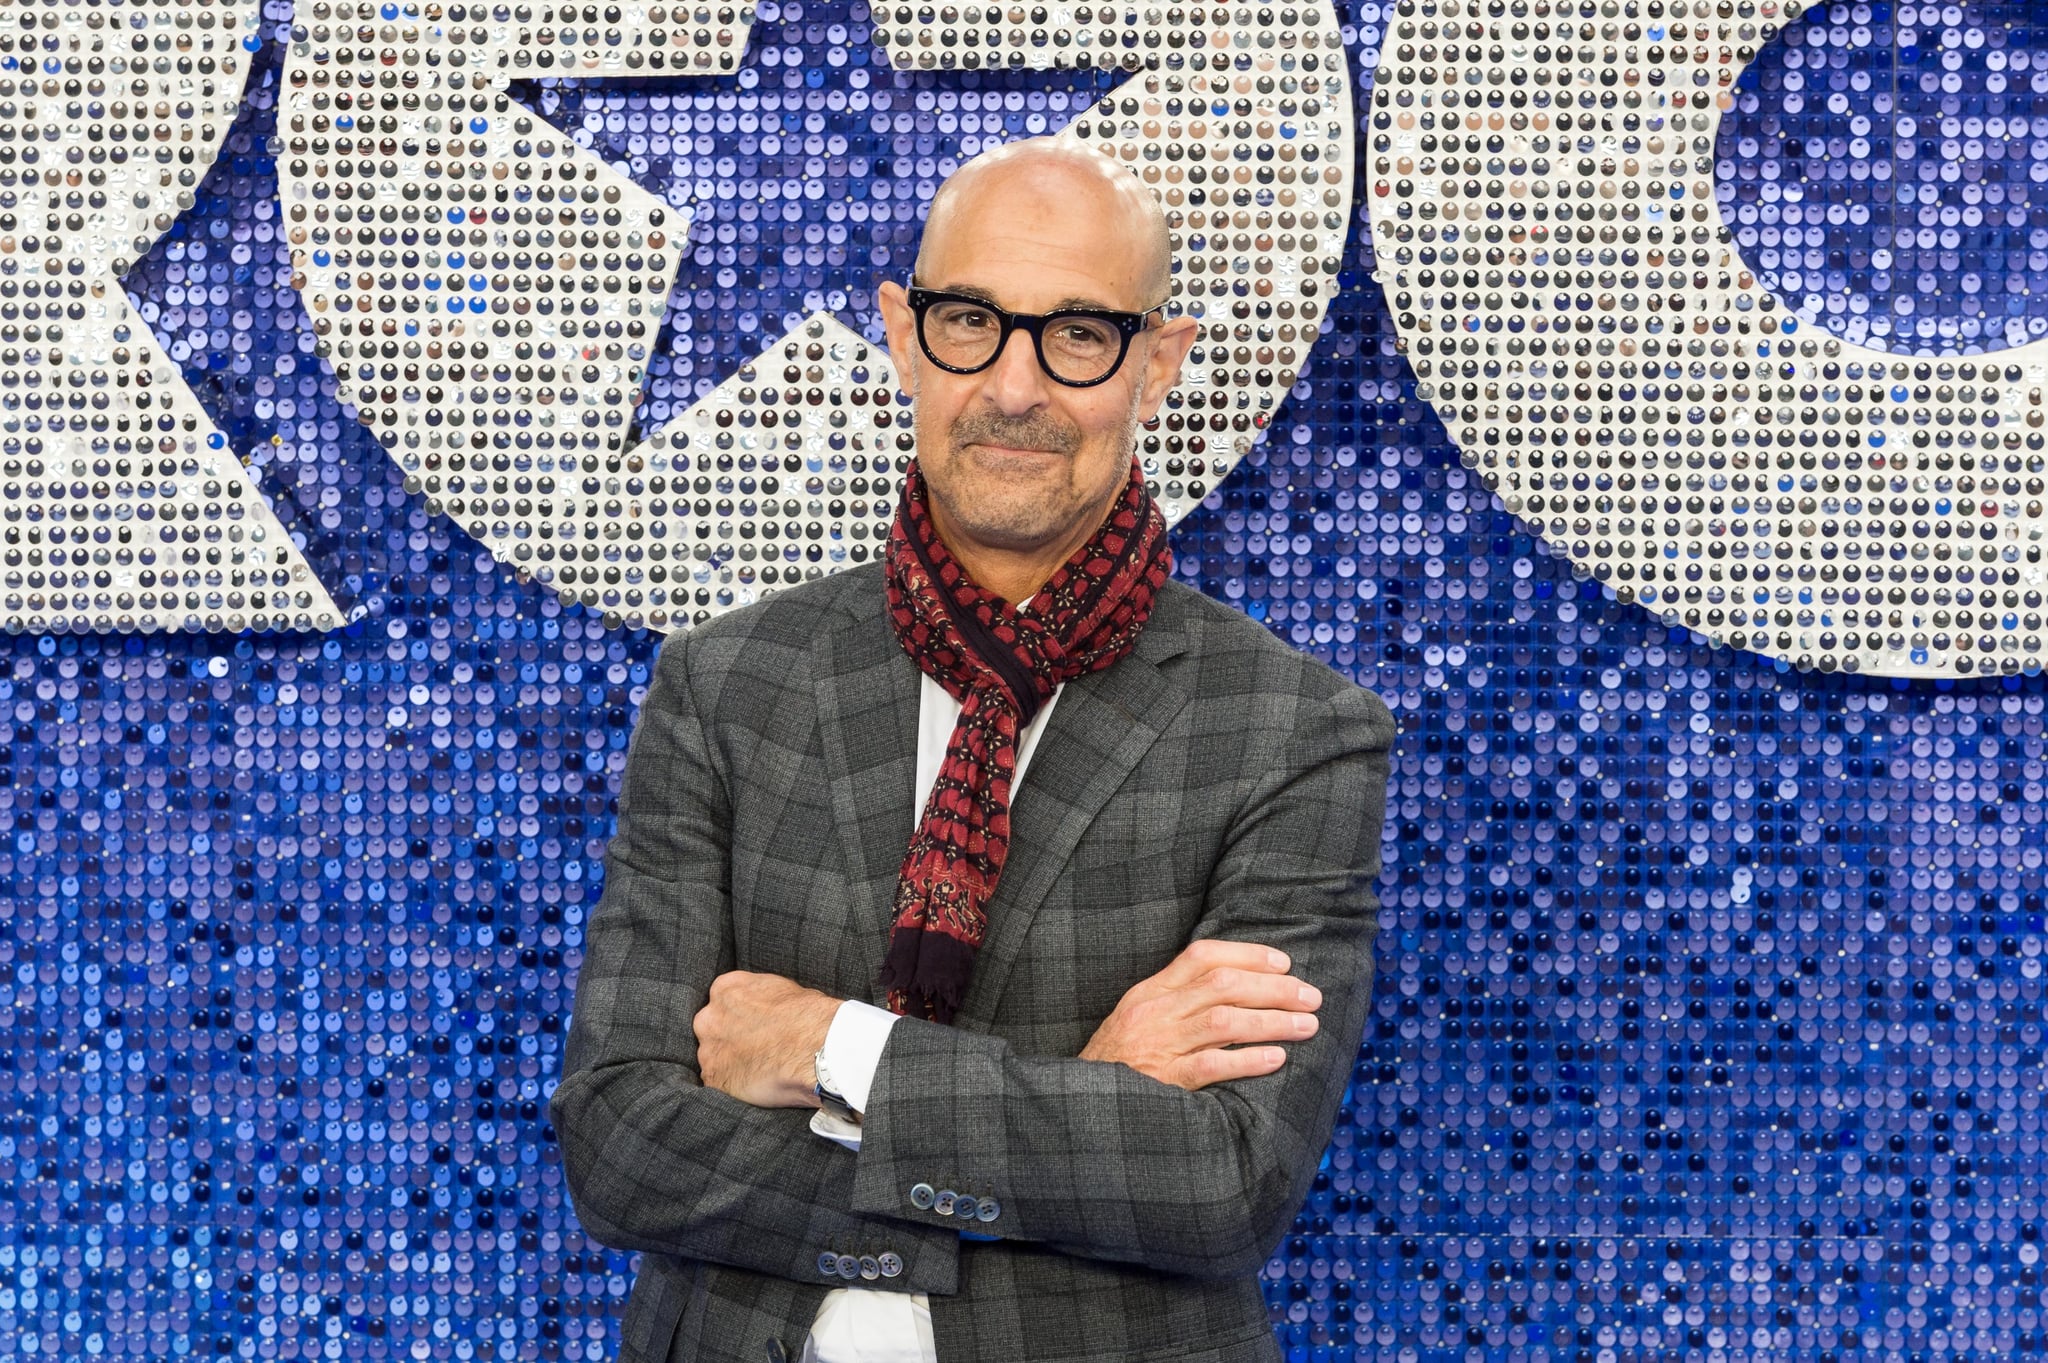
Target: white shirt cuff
{"points": [[833, 1129], [863, 1325], [853, 1051]]}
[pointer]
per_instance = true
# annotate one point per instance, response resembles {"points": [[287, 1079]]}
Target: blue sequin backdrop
{"points": [[1709, 1020]]}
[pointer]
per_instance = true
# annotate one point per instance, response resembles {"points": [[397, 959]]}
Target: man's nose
{"points": [[1016, 383]]}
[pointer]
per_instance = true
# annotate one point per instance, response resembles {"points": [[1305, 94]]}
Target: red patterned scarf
{"points": [[1001, 662]]}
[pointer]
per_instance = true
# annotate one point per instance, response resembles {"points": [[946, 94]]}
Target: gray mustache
{"points": [[1023, 435]]}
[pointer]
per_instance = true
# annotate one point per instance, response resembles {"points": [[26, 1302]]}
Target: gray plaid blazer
{"points": [[1212, 783]]}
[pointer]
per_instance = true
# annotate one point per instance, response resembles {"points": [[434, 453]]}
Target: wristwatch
{"points": [[828, 1097]]}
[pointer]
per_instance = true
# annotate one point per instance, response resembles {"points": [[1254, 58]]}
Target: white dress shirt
{"points": [[860, 1324]]}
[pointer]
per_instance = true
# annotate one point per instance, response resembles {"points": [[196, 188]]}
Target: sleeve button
{"points": [[849, 1267], [870, 1267], [943, 1203], [828, 1264], [921, 1196], [990, 1209], [891, 1264]]}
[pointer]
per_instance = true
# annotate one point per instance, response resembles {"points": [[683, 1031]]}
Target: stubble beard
{"points": [[1006, 516]]}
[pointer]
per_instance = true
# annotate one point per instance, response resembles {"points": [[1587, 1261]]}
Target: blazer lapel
{"points": [[1102, 726], [866, 690]]}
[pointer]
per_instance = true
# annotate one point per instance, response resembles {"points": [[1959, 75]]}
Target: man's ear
{"points": [[901, 325], [1170, 348]]}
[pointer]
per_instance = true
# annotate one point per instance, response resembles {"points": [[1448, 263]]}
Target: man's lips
{"points": [[1023, 450]]}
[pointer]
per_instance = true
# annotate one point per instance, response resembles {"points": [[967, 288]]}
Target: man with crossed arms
{"points": [[1051, 1081]]}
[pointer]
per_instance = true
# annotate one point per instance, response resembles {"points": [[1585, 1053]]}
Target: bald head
{"points": [[1028, 177]]}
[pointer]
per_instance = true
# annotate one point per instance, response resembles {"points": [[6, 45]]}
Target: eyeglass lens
{"points": [[965, 335]]}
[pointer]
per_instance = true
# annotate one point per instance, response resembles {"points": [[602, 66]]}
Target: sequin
{"points": [[126, 508], [1576, 310], [488, 292]]}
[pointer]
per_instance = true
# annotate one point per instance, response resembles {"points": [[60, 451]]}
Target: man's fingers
{"points": [[1205, 954], [1202, 1068], [1254, 989], [1223, 1025]]}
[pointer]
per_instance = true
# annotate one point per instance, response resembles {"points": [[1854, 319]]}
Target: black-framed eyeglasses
{"points": [[1079, 347]]}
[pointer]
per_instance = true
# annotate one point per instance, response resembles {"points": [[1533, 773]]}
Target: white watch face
{"points": [[827, 1095]]}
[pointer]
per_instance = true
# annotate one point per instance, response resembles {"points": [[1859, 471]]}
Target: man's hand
{"points": [[758, 1038], [1175, 1026]]}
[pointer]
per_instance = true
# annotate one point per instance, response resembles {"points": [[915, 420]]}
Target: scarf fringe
{"points": [[931, 969]]}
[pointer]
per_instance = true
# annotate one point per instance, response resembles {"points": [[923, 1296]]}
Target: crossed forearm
{"points": [[1170, 1036], [758, 1034]]}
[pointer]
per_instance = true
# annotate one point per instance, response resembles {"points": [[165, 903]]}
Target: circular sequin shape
{"points": [[488, 292], [1544, 222], [140, 516]]}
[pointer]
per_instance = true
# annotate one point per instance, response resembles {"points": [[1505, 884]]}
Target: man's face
{"points": [[1013, 460]]}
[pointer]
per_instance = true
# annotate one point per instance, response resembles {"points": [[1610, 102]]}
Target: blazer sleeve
{"points": [[1095, 1159], [654, 1160]]}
